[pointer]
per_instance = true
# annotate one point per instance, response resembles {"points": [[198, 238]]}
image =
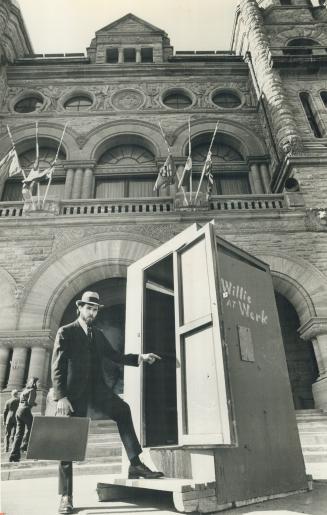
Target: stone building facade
{"points": [[269, 95]]}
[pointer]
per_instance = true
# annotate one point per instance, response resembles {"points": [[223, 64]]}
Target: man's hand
{"points": [[150, 358], [64, 408]]}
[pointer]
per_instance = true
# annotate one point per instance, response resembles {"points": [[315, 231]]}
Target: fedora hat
{"points": [[90, 297]]}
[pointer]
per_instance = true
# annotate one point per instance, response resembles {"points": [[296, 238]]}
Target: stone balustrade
{"points": [[113, 207]]}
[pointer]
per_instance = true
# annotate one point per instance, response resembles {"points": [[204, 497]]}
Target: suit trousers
{"points": [[24, 419], [113, 407], [10, 426]]}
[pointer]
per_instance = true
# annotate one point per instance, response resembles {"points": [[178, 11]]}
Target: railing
{"points": [[93, 207], [116, 206], [246, 203], [9, 209]]}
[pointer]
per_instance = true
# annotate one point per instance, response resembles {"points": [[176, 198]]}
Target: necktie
{"points": [[89, 333]]}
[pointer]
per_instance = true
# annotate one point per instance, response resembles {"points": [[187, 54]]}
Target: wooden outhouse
{"points": [[216, 413]]}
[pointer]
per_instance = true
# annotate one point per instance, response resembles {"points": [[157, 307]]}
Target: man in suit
{"points": [[24, 418], [81, 387], [9, 417]]}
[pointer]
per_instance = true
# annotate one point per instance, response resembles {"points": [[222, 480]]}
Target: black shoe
{"points": [[14, 458], [66, 504], [138, 471]]}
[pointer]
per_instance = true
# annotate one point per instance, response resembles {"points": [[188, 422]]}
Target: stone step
{"points": [[312, 427], [98, 429], [308, 411], [306, 449], [98, 451], [315, 457], [28, 464], [311, 418], [86, 468], [313, 438]]}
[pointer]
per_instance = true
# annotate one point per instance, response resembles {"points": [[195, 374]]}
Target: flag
{"points": [[207, 170], [166, 174], [14, 168], [36, 175], [10, 164], [186, 172]]}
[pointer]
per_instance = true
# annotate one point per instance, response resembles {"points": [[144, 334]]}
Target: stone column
{"points": [[17, 369], [38, 365], [4, 356], [138, 55], [316, 331], [256, 179], [77, 184], [265, 177], [120, 55], [87, 187], [269, 80], [69, 183]]}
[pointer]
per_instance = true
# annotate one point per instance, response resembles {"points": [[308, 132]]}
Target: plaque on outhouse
{"points": [[246, 343]]}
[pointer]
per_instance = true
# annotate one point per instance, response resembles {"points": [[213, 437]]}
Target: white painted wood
{"points": [[201, 403], [194, 278], [197, 417]]}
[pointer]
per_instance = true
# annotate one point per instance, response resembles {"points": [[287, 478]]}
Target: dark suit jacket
{"points": [[71, 360]]}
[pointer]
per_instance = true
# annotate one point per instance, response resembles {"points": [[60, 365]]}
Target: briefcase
{"points": [[58, 438]]}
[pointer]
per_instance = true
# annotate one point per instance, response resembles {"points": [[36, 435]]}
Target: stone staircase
{"points": [[312, 426], [104, 450], [103, 456]]}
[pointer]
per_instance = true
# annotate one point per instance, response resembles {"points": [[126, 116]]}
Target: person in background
{"points": [[9, 417], [24, 419]]}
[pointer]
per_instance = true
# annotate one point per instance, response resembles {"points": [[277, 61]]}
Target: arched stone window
{"points": [[300, 46], [13, 186], [126, 170], [230, 171], [311, 114]]}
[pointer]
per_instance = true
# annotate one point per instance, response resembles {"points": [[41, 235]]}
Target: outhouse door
{"points": [[172, 309]]}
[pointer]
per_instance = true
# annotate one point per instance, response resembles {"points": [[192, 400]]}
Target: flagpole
{"points": [[37, 156], [53, 165], [169, 151], [189, 153], [203, 170], [14, 147]]}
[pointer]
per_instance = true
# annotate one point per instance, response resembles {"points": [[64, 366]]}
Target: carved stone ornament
{"points": [[313, 327], [127, 100], [317, 219], [292, 146], [81, 141], [34, 207]]}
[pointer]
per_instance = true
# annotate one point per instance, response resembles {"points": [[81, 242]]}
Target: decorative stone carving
{"points": [[50, 207], [26, 339], [316, 219], [127, 100], [269, 80], [81, 140], [51, 95], [3, 86], [313, 327], [153, 96], [292, 146]]}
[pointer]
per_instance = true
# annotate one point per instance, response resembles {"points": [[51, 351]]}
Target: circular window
{"points": [[177, 100], [79, 103], [226, 99], [29, 104]]}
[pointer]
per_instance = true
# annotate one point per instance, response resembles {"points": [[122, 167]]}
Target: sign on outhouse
{"points": [[217, 411]]}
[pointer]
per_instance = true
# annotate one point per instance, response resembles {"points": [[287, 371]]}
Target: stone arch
{"points": [[24, 134], [243, 139], [67, 274], [8, 305], [98, 139], [301, 283]]}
